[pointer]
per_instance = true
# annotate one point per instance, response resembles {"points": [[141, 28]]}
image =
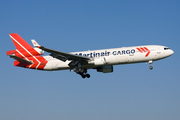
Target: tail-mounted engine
{"points": [[41, 52]]}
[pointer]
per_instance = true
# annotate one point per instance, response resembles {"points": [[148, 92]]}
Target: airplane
{"points": [[102, 60]]}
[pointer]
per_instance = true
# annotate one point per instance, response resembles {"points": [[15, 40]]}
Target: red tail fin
{"points": [[23, 49], [19, 42], [25, 54]]}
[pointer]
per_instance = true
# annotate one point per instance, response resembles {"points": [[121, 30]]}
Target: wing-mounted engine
{"points": [[105, 69]]}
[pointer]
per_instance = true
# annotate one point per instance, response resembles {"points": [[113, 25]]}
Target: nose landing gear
{"points": [[150, 63]]}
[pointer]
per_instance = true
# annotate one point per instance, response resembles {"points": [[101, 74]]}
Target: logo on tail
{"points": [[25, 55]]}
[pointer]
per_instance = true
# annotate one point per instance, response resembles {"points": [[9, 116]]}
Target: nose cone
{"points": [[166, 52], [171, 52]]}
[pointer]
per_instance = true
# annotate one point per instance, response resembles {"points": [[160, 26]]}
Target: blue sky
{"points": [[130, 92]]}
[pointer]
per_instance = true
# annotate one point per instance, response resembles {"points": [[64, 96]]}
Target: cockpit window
{"points": [[166, 48]]}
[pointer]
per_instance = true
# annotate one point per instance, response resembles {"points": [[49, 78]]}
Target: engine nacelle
{"points": [[41, 52], [105, 69]]}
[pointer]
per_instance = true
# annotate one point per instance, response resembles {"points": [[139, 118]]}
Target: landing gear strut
{"points": [[77, 67], [150, 63]]}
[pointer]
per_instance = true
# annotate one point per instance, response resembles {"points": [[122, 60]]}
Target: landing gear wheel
{"points": [[150, 67], [150, 63], [83, 76], [82, 72], [87, 75]]}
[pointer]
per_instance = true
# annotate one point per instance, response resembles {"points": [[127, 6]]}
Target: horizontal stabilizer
{"points": [[21, 60]]}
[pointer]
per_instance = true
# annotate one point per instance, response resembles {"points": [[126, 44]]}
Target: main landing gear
{"points": [[83, 73], [150, 63], [77, 67]]}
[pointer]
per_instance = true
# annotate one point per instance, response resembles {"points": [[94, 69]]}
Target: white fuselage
{"points": [[115, 56], [102, 60]]}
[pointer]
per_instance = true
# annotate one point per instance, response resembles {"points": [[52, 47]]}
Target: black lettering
{"points": [[127, 51], [108, 53], [123, 52], [102, 53], [132, 51], [114, 52], [97, 54], [90, 54], [119, 53], [94, 54]]}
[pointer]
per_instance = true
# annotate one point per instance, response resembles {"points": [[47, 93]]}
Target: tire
{"points": [[87, 75], [150, 67], [83, 76]]}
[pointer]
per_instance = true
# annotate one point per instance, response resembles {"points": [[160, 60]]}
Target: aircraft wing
{"points": [[63, 56]]}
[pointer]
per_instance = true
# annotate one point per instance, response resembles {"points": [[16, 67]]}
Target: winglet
{"points": [[35, 44]]}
